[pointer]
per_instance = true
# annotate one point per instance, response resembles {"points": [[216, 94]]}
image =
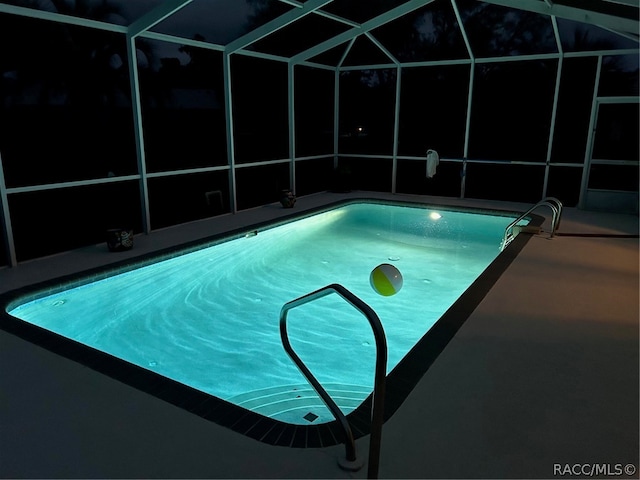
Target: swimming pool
{"points": [[199, 327]]}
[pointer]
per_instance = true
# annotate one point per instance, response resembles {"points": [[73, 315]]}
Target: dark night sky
{"points": [[219, 21], [224, 17]]}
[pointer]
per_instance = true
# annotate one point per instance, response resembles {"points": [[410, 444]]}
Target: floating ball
{"points": [[386, 279]]}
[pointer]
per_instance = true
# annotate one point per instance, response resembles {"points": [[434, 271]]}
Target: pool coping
{"points": [[400, 381]]}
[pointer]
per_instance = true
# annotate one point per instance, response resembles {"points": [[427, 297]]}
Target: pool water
{"points": [[209, 318]]}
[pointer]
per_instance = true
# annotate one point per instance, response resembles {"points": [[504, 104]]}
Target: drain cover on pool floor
{"points": [[310, 417]]}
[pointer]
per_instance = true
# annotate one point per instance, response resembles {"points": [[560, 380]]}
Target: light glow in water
{"points": [[209, 318]]}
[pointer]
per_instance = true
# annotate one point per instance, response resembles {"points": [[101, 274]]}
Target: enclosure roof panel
{"points": [[616, 8], [429, 33], [115, 12], [580, 37], [364, 51], [301, 30], [617, 15], [496, 30], [221, 21], [305, 33], [361, 10]]}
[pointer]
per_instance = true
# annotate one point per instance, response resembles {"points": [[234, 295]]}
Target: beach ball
{"points": [[386, 280]]}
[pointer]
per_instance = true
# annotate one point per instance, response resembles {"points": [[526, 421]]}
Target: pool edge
{"points": [[400, 381]]}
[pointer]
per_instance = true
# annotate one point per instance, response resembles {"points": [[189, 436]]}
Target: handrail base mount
{"points": [[350, 465]]}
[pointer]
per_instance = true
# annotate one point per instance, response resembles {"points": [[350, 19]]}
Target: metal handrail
{"points": [[377, 413], [556, 208], [558, 205]]}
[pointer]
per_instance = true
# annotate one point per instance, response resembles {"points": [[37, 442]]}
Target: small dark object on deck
{"points": [[287, 198], [119, 239]]}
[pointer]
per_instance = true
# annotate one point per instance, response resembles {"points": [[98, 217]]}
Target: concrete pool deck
{"points": [[543, 374]]}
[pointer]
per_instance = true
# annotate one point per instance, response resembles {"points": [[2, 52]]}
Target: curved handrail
{"points": [[377, 413], [558, 205], [556, 208]]}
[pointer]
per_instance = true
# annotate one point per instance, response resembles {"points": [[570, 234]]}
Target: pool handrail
{"points": [[558, 205], [377, 412], [556, 208]]}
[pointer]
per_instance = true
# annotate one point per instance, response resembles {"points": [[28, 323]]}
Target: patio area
{"points": [[543, 374]]}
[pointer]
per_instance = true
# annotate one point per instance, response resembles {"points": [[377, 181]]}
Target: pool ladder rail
{"points": [[556, 208], [351, 462]]}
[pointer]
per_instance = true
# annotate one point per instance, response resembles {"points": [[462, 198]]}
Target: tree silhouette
{"points": [[67, 87], [57, 63]]}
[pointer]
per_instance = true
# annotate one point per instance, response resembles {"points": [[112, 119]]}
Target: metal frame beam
{"points": [[228, 109], [5, 221], [274, 25], [145, 22], [386, 17], [134, 83], [61, 18], [155, 16], [573, 13], [586, 166], [292, 126], [620, 25]]}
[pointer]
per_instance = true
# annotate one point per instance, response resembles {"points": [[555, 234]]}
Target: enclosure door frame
{"points": [[592, 198]]}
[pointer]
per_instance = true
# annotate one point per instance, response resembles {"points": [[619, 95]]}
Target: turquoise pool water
{"points": [[209, 318]]}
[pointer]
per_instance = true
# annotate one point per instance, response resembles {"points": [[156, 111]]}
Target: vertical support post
{"points": [[336, 116], [592, 128], [396, 115], [137, 125], [552, 126], [336, 104], [554, 110], [5, 220], [396, 129], [292, 127], [467, 128], [228, 108], [143, 24], [465, 154]]}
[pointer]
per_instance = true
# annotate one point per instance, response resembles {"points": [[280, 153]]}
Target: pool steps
{"points": [[284, 400]]}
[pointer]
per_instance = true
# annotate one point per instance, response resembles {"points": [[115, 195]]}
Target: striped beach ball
{"points": [[386, 279]]}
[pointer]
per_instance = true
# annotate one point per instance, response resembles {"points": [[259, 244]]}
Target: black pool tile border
{"points": [[400, 381]]}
